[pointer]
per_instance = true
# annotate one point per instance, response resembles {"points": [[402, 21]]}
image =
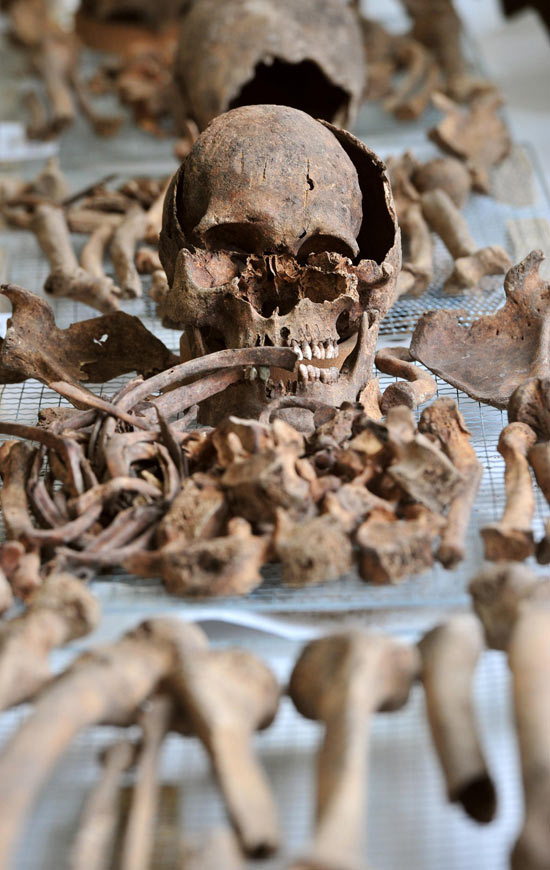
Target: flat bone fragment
{"points": [[342, 680], [62, 609], [106, 685], [475, 133], [67, 278], [306, 55], [225, 696], [511, 538], [93, 350], [450, 653], [491, 358]]}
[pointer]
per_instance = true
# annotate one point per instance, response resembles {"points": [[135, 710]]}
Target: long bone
{"points": [[443, 419], [471, 263], [511, 539], [225, 696], [342, 680], [416, 388], [514, 607], [450, 653], [61, 610], [106, 685], [67, 278]]}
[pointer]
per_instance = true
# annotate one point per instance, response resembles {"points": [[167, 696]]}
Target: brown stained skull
{"points": [[280, 230]]}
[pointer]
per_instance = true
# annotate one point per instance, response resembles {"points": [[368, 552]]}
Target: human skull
{"points": [[280, 230]]}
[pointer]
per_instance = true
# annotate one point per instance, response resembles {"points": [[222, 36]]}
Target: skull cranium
{"points": [[280, 230]]}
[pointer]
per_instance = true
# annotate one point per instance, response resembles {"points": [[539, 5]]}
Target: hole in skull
{"points": [[213, 339], [344, 327], [298, 85]]}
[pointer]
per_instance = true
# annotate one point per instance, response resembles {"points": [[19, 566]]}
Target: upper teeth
{"points": [[306, 350]]}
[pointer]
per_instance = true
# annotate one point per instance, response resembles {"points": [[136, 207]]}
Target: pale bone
{"points": [[471, 263], [342, 680], [450, 653], [514, 606], [225, 696], [67, 278], [97, 827], [511, 539], [137, 847], [418, 386], [107, 686], [62, 609]]}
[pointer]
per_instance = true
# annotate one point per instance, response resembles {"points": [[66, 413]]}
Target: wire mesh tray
{"points": [[408, 822]]}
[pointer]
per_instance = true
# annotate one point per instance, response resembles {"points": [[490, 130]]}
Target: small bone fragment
{"points": [[62, 609], [474, 133], [67, 278], [225, 696], [450, 653], [198, 511], [416, 273], [137, 846], [91, 257], [444, 173], [443, 419], [478, 359], [218, 849], [511, 539], [416, 388], [148, 261], [106, 685], [97, 827], [471, 264], [228, 565], [391, 549], [341, 680], [514, 606], [370, 398], [312, 551]]}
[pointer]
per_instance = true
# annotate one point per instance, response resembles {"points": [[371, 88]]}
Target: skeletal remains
{"points": [[287, 239]]}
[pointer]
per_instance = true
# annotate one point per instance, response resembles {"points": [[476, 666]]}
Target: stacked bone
{"points": [[215, 504]]}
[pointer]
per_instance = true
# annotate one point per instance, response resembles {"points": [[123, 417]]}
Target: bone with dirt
{"points": [[422, 77], [530, 404], [62, 609], [444, 420], [136, 225], [514, 606], [392, 548], [475, 133], [341, 680], [54, 60], [491, 358], [312, 551], [91, 256], [511, 538], [317, 44], [95, 837], [444, 173], [225, 696], [137, 846], [450, 653], [417, 387], [106, 686], [67, 278], [417, 269], [471, 263]]}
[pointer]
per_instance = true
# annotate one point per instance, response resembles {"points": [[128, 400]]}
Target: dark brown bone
{"points": [[225, 696], [444, 420], [67, 278], [450, 653], [35, 347], [108, 686], [61, 610], [341, 680], [307, 55], [476, 134], [491, 358]]}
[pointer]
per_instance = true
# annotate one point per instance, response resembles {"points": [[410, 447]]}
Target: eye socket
{"points": [[318, 242], [245, 238]]}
